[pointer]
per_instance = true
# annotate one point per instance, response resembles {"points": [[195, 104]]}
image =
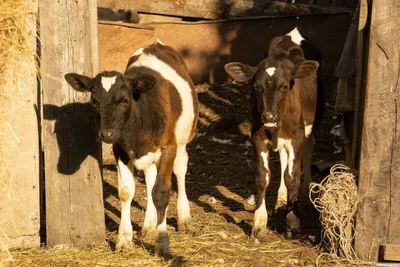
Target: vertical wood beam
{"points": [[378, 217], [72, 156]]}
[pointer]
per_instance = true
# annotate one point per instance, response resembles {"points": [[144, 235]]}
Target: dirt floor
{"points": [[221, 188]]}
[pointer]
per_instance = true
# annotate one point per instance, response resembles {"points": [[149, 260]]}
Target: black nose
{"points": [[268, 116], [107, 133]]}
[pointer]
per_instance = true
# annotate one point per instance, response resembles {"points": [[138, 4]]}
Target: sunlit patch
{"points": [[270, 71], [107, 82]]}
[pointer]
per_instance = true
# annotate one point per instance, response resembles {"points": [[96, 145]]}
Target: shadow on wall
{"points": [[76, 134]]}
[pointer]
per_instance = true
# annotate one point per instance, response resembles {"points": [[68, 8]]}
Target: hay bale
{"points": [[17, 121]]}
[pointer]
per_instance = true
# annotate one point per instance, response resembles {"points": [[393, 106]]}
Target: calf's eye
{"points": [[284, 88], [125, 100]]}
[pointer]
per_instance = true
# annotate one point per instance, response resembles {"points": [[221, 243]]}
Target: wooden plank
{"points": [[217, 9], [390, 252], [378, 216], [72, 157]]}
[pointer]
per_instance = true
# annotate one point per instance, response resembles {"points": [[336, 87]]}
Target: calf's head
{"points": [[272, 79], [112, 97]]}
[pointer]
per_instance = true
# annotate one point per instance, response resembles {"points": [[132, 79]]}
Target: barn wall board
{"points": [[378, 219], [72, 154]]}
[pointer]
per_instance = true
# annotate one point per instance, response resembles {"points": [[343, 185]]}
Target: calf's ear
{"points": [[80, 83], [143, 83], [240, 72], [304, 69]]}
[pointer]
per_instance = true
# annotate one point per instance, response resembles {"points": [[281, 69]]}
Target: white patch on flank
{"points": [[307, 130], [126, 188], [107, 82], [185, 121], [295, 36], [138, 52], [270, 71], [150, 217], [146, 160], [270, 124], [158, 41]]}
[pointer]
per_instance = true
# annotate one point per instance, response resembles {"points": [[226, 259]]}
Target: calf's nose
{"points": [[269, 116], [107, 133]]}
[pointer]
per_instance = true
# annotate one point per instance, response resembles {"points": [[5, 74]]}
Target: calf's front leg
{"points": [[126, 191], [263, 175], [161, 194]]}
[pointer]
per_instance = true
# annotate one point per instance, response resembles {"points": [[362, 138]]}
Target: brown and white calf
{"points": [[284, 108], [149, 114]]}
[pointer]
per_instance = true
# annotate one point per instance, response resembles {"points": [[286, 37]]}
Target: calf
{"points": [[284, 109], [149, 114]]}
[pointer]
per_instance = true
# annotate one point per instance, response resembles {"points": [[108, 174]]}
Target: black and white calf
{"points": [[149, 114], [286, 102]]}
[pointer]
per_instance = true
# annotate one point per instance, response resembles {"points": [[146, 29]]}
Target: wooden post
{"points": [[379, 184], [72, 156]]}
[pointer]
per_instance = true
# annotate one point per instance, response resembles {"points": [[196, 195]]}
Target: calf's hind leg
{"points": [[292, 181], [161, 194], [180, 169]]}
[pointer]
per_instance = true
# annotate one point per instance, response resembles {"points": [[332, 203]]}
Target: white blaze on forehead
{"points": [[270, 71], [295, 36], [107, 82], [185, 122]]}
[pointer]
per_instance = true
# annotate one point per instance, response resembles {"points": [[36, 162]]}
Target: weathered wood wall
{"points": [[207, 46], [72, 157], [220, 9], [378, 219], [19, 146]]}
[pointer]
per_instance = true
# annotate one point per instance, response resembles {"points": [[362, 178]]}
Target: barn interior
{"points": [[220, 180]]}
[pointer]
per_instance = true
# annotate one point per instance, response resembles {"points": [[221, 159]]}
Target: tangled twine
{"points": [[337, 201]]}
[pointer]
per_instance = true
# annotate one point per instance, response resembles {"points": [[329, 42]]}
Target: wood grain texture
{"points": [[72, 157], [378, 217], [217, 9], [390, 252]]}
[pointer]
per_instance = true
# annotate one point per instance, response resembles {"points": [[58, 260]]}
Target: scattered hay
{"points": [[337, 203]]}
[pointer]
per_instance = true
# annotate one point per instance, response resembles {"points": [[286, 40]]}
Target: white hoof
{"points": [[124, 243]]}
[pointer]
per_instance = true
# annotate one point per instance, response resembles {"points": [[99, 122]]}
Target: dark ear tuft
{"points": [[80, 83], [240, 72], [143, 84], [304, 69]]}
